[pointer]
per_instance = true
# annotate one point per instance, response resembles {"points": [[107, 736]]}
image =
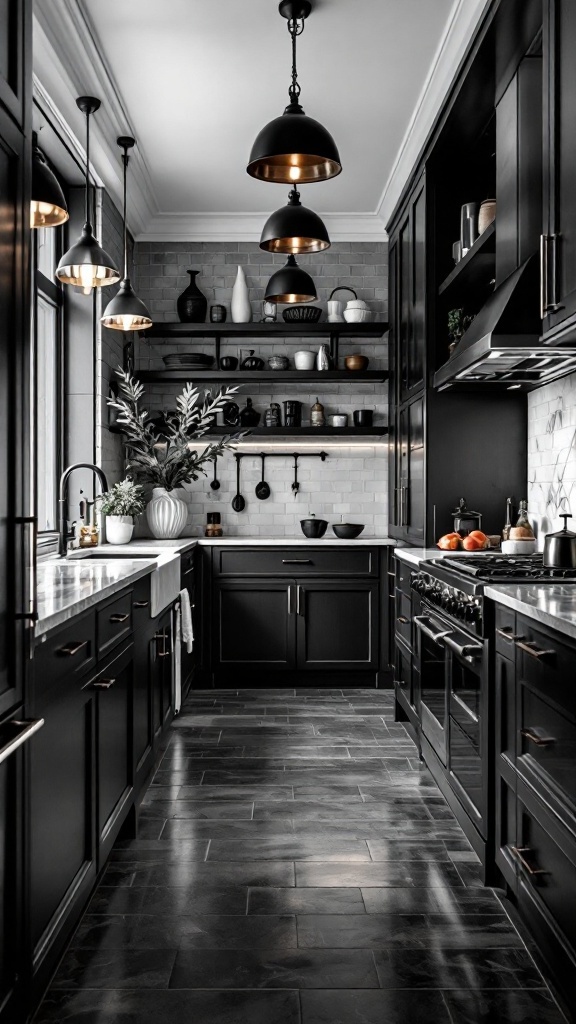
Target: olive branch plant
{"points": [[172, 462]]}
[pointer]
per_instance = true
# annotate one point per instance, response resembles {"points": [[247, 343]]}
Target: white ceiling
{"points": [[195, 80]]}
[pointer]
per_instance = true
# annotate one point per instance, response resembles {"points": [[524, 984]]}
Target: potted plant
{"points": [[120, 504], [458, 324], [171, 459]]}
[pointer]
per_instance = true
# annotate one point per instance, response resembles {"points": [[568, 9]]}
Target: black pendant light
{"points": [[48, 206], [86, 264], [294, 229], [126, 312], [291, 284], [294, 148]]}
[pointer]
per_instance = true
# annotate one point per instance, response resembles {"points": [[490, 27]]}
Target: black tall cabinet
{"points": [[16, 525]]}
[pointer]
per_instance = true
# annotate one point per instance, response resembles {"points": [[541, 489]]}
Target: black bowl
{"points": [[347, 531], [228, 363], [313, 528]]}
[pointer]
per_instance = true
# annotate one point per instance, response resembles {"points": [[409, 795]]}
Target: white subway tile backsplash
{"points": [[552, 452]]}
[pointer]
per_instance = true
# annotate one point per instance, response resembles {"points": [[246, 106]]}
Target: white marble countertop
{"points": [[552, 604], [416, 555], [288, 542]]}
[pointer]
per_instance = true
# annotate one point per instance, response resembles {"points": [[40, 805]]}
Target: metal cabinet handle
{"points": [[540, 741], [403, 620], [421, 621], [119, 617], [32, 614], [28, 730], [508, 635], [72, 649], [104, 684], [141, 604], [188, 571], [471, 651], [401, 683], [299, 600], [518, 852], [289, 592], [163, 653], [296, 561], [543, 275], [547, 304], [535, 652]]}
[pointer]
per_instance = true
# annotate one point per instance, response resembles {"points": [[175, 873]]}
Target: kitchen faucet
{"points": [[64, 536]]}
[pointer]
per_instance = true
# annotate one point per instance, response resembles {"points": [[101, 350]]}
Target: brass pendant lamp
{"points": [[126, 312], [294, 229], [290, 284], [86, 264], [48, 206], [294, 148]]}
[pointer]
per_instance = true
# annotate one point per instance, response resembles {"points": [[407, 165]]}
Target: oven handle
{"points": [[468, 651], [421, 621]]}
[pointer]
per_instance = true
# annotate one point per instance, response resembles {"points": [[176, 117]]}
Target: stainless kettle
{"points": [[560, 548]]}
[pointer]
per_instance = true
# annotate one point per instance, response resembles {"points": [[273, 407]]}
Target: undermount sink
{"points": [[102, 556]]}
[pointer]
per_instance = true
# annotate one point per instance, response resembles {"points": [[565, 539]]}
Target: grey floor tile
{"points": [[370, 1007], [274, 968]]}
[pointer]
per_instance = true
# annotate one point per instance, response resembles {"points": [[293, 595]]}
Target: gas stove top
{"points": [[506, 568]]}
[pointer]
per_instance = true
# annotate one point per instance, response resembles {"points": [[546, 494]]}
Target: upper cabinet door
{"points": [[409, 283], [15, 57], [558, 249]]}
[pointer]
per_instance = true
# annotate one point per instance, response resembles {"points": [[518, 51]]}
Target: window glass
{"points": [[46, 251], [47, 414]]}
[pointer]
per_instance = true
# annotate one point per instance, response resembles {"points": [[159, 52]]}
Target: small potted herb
{"points": [[120, 504], [458, 324]]}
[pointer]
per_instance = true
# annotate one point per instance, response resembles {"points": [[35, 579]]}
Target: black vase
{"points": [[192, 304]]}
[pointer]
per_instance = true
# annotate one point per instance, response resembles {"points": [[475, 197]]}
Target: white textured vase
{"points": [[240, 307], [119, 529], [166, 514]]}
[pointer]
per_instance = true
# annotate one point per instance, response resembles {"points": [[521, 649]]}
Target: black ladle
{"points": [[295, 484], [215, 483], [238, 502], [263, 489]]}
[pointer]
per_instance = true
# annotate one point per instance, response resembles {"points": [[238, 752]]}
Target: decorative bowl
{"points": [[228, 362], [357, 304], [314, 528], [278, 362], [305, 360], [347, 531], [197, 359], [302, 314], [356, 362], [357, 316]]}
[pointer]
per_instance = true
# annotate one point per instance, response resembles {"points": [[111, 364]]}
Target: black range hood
{"points": [[501, 347]]}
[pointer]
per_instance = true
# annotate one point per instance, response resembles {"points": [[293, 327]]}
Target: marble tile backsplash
{"points": [[552, 453]]}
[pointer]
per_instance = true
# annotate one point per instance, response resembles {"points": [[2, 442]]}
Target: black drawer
{"points": [[114, 622], [68, 654], [403, 574], [546, 742], [505, 632], [546, 662], [308, 561], [141, 603], [404, 617]]}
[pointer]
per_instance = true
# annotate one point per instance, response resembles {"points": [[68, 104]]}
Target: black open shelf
{"points": [[180, 332], [262, 376], [475, 270], [303, 431]]}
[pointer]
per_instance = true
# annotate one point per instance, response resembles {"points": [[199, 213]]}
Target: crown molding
{"points": [[460, 28], [67, 64], [247, 227]]}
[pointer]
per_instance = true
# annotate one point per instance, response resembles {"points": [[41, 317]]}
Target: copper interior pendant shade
{"points": [[48, 206], [294, 148], [291, 284], [86, 264], [126, 312], [294, 229]]}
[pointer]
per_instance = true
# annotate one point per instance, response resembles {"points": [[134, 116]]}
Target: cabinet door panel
{"points": [[415, 512], [114, 732], [255, 624], [11, 915], [15, 16], [337, 625]]}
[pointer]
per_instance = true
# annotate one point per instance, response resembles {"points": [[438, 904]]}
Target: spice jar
{"points": [[317, 418], [213, 527]]}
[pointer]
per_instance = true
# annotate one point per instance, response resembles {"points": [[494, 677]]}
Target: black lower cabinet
{"points": [[254, 625], [114, 686], [337, 625], [161, 669]]}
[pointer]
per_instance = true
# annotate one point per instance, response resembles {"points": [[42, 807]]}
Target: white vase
{"points": [[166, 514], [240, 307], [119, 529]]}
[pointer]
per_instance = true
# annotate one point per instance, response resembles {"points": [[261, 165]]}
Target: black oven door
{"points": [[431, 660], [467, 669]]}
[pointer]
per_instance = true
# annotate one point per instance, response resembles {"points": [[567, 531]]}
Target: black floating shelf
{"points": [[303, 431], [262, 376], [475, 269], [178, 331]]}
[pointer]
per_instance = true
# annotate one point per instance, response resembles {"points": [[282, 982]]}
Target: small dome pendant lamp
{"points": [[86, 264], [291, 284], [294, 148], [48, 206], [294, 229], [126, 312]]}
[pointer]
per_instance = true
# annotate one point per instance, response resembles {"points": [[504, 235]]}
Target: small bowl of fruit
{"points": [[474, 541]]}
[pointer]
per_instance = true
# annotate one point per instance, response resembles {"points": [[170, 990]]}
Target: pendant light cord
{"points": [[295, 29], [125, 159], [87, 185]]}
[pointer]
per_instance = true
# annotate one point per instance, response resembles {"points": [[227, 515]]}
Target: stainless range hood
{"points": [[501, 347]]}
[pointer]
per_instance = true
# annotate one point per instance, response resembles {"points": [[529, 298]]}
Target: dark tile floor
{"points": [[295, 864]]}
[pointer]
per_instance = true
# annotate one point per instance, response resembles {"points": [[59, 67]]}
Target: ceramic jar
{"points": [[192, 303], [240, 307], [305, 360], [166, 514], [119, 529]]}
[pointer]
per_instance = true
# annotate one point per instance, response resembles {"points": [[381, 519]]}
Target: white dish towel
{"points": [[186, 621]]}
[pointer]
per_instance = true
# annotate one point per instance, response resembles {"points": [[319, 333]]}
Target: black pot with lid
{"points": [[465, 520], [560, 548]]}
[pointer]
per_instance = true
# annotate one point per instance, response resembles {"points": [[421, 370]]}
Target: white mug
{"points": [[334, 310]]}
